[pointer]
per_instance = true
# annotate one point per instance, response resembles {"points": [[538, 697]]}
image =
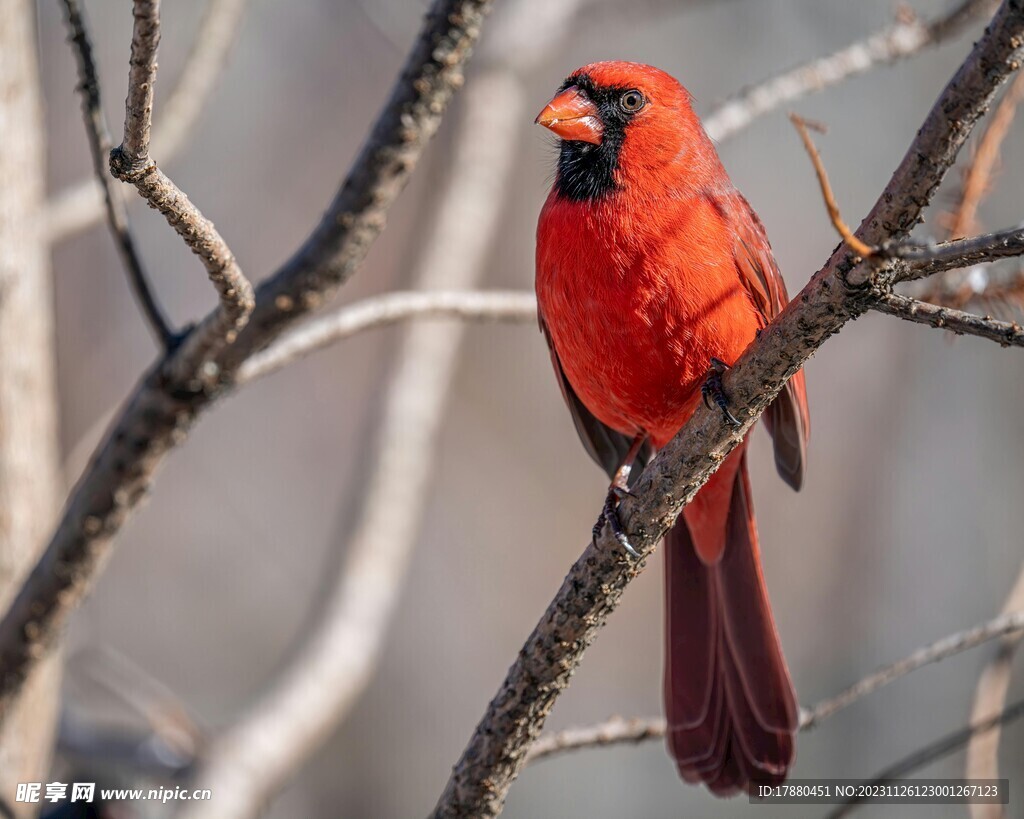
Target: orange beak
{"points": [[573, 117]]}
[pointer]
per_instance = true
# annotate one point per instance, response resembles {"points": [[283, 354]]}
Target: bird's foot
{"points": [[713, 391], [610, 515]]}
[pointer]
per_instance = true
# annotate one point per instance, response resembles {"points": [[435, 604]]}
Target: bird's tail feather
{"points": [[729, 701]]}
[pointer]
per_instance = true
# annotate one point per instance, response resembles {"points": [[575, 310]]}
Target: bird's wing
{"points": [[604, 444], [788, 418]]}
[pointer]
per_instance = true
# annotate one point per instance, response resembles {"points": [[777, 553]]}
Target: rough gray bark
{"points": [[29, 465]]}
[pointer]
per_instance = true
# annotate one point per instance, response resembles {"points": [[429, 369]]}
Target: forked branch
{"points": [[99, 148], [132, 163]]}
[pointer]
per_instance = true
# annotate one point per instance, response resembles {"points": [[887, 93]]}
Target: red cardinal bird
{"points": [[651, 268]]}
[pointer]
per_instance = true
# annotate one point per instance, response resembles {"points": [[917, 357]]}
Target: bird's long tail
{"points": [[731, 709]]}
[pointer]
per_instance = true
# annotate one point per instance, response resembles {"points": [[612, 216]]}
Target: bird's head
{"points": [[620, 124]]}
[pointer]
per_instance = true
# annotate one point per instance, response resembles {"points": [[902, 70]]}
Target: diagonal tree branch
{"points": [[159, 414], [99, 148], [594, 585], [1004, 333], [132, 163], [81, 205]]}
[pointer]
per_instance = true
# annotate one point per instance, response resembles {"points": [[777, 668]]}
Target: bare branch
{"points": [[594, 585], [1004, 333], [989, 700], [30, 480], [926, 260], [855, 244], [131, 163], [99, 147], [160, 413], [138, 118], [381, 311], [81, 205], [617, 731], [904, 38], [937, 750]]}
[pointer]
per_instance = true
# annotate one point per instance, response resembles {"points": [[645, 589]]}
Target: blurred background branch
{"points": [[30, 482]]}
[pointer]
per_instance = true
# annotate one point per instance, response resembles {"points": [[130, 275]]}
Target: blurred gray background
{"points": [[908, 528]]}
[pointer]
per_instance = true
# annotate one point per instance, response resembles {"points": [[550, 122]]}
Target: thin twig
{"points": [[1004, 333], [81, 205], [99, 147], [593, 587], [989, 699], [615, 731], [904, 38], [132, 163], [927, 260], [855, 244], [933, 752], [381, 311], [138, 117]]}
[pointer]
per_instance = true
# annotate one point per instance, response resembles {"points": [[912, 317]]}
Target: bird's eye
{"points": [[632, 101]]}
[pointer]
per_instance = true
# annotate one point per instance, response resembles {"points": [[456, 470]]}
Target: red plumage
{"points": [[649, 264]]}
